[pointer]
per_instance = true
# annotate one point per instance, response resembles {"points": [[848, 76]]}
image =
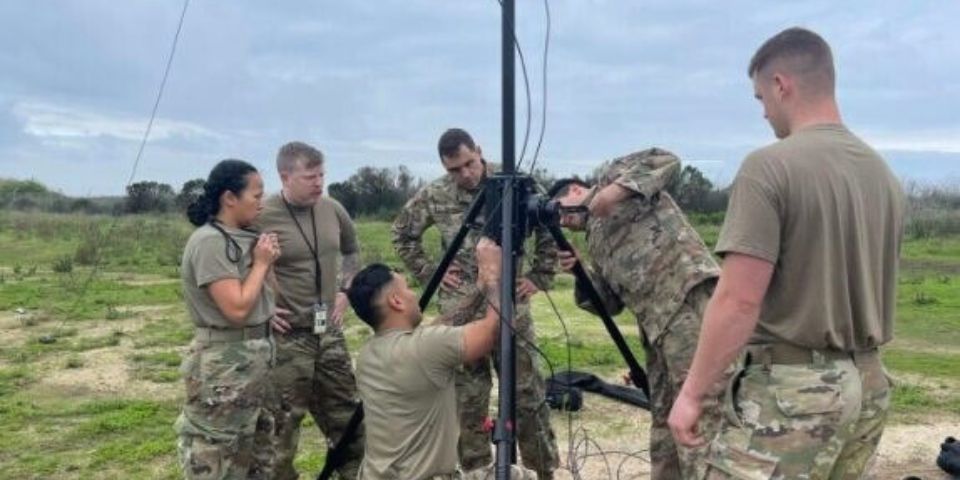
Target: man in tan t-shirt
{"points": [[810, 248], [313, 371], [406, 372]]}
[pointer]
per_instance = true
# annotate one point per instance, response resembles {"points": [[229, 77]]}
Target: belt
{"points": [[300, 330], [786, 354], [208, 334]]}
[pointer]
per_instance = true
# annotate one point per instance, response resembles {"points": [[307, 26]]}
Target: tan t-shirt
{"points": [[205, 261], [295, 269], [406, 381], [826, 210]]}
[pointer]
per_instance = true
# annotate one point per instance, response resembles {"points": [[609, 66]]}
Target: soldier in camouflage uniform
{"points": [[645, 256], [810, 246], [314, 373], [444, 203], [225, 427]]}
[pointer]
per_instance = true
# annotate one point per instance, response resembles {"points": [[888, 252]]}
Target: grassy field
{"points": [[89, 381]]}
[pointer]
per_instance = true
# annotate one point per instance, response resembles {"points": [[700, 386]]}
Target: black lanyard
{"points": [[314, 248], [233, 250]]}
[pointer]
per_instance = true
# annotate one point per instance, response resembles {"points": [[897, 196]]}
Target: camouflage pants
{"points": [[668, 360], [314, 374], [489, 473], [820, 420], [224, 429], [535, 437]]}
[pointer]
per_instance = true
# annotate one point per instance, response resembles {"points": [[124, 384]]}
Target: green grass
{"points": [[78, 299], [164, 332], [52, 437], [159, 367], [928, 364], [928, 310]]}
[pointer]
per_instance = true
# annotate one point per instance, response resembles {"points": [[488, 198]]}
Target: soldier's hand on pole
{"points": [[568, 258], [339, 308], [451, 279], [526, 289], [279, 322], [488, 262]]}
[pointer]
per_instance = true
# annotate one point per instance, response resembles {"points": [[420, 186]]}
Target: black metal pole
{"points": [[508, 119], [505, 435]]}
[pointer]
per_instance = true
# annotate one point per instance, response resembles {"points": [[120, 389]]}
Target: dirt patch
{"points": [[15, 328], [616, 437], [912, 450], [105, 372]]}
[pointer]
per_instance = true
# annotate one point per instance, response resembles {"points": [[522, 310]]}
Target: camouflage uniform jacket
{"points": [[443, 204], [645, 256]]}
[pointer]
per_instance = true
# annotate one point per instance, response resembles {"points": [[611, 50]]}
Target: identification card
{"points": [[319, 318]]}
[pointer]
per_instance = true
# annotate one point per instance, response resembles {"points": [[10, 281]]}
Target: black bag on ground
{"points": [[949, 459], [564, 382]]}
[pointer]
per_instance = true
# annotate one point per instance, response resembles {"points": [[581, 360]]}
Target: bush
{"points": [[63, 265]]}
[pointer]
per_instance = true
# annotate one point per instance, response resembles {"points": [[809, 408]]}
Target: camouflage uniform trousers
{"points": [[314, 374], [489, 473], [535, 437], [225, 428], [818, 420], [668, 360]]}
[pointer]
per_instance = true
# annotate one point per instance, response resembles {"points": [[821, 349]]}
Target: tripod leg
{"points": [[452, 250], [637, 375]]}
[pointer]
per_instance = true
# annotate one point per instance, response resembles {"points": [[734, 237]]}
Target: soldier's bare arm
{"points": [[729, 320], [349, 263], [234, 297], [480, 336]]}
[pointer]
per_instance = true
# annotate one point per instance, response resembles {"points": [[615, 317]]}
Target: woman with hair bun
{"points": [[225, 424]]}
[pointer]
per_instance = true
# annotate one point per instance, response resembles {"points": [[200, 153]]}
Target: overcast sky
{"points": [[376, 82]]}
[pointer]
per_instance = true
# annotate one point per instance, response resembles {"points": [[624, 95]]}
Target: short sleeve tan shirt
{"points": [[295, 270], [826, 210], [406, 381], [205, 261]]}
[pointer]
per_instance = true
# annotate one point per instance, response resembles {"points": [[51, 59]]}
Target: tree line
{"points": [[370, 192], [380, 193]]}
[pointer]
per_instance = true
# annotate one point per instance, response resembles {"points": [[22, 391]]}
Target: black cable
{"points": [[575, 460], [94, 269], [543, 114]]}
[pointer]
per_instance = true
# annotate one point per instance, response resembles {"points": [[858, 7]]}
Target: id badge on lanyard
{"points": [[319, 318]]}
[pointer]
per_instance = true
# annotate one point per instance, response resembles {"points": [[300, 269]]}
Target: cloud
{"points": [[938, 140], [47, 120]]}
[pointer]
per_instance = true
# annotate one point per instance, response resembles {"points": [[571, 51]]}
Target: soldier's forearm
{"points": [[349, 266], [465, 311]]}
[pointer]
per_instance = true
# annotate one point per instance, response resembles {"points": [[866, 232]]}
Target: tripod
{"points": [[513, 209]]}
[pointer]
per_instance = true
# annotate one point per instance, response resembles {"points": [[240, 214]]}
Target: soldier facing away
{"points": [[810, 249], [313, 372], [443, 203], [645, 256]]}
